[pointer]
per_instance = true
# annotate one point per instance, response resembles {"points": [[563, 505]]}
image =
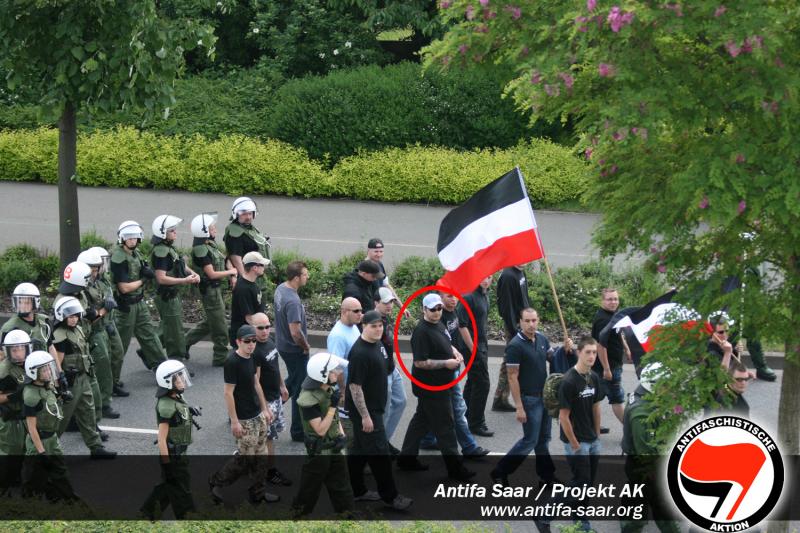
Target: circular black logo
{"points": [[725, 474]]}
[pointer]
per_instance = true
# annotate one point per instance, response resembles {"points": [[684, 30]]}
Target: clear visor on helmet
{"points": [[72, 308], [131, 233], [47, 372], [180, 380], [24, 304], [16, 353], [106, 264]]}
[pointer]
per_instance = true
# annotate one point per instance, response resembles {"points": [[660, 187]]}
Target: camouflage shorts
{"points": [[254, 439], [278, 421]]}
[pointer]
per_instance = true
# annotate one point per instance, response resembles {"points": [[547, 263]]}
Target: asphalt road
{"points": [[319, 228]]}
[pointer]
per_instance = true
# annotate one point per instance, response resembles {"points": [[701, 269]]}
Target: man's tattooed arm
{"points": [[358, 399]]}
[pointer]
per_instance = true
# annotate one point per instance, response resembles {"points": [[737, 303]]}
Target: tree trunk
{"points": [[69, 227], [788, 421]]}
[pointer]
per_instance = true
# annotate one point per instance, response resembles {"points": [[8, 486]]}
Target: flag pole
{"points": [[555, 298]]}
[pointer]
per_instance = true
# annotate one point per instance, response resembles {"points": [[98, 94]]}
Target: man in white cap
{"points": [[247, 298], [435, 359]]}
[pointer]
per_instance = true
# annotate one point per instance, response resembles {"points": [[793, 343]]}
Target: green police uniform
{"points": [[205, 251], [639, 446], [325, 464], [133, 316], [48, 474], [175, 487], [115, 350], [77, 365], [170, 329], [39, 331], [99, 344], [248, 239], [12, 424]]}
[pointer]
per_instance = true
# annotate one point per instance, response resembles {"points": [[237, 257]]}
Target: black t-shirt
{"points": [[430, 341], [378, 283], [531, 358], [579, 396], [367, 367], [246, 300], [479, 303], [241, 372], [388, 343], [512, 296], [163, 263], [119, 272], [239, 245], [451, 323], [266, 357], [615, 349]]}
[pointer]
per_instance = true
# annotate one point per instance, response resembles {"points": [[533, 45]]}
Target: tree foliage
{"points": [[688, 113]]}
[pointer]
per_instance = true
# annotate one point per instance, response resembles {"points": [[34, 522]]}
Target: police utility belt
{"points": [[177, 449], [208, 284], [77, 364], [167, 293], [126, 300]]}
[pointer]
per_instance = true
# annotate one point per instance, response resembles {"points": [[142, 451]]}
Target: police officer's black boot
{"points": [[763, 372], [109, 412], [101, 453], [118, 391]]}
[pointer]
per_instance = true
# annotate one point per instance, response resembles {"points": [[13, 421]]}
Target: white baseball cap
{"points": [[385, 295], [431, 300]]}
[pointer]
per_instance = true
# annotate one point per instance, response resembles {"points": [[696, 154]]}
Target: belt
{"points": [[177, 449], [46, 434]]}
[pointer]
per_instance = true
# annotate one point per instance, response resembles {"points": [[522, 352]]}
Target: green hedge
{"points": [[237, 165], [372, 108]]}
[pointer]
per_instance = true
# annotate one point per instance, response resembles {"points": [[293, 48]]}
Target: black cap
{"points": [[375, 243], [370, 267], [245, 331], [371, 316]]}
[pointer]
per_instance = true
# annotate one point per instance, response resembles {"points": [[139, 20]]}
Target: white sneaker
{"points": [[400, 502], [369, 496]]}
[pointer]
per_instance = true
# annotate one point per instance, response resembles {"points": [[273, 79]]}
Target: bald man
{"points": [[341, 338]]}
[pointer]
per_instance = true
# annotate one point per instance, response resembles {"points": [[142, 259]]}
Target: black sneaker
{"points": [[476, 453], [275, 477], [411, 465], [101, 453], [503, 406], [604, 430], [266, 497], [482, 431]]}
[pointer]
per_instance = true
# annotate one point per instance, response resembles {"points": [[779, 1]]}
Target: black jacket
{"points": [[362, 290]]}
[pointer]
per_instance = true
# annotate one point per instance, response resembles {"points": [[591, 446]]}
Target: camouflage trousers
{"points": [[251, 458]]}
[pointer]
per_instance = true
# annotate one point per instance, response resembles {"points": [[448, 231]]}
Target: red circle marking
{"points": [[474, 336]]}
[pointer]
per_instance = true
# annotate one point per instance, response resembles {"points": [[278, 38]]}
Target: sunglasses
{"points": [[721, 332], [437, 308], [356, 310], [247, 341], [743, 380], [262, 328]]}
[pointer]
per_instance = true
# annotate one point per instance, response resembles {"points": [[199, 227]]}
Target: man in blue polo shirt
{"points": [[526, 361]]}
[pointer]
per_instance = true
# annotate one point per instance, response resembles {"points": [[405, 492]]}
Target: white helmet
{"points": [[104, 256], [39, 360], [168, 371], [321, 364], [67, 307], [130, 229], [91, 257], [243, 204], [14, 338], [26, 291], [76, 276], [201, 223], [651, 374], [164, 223]]}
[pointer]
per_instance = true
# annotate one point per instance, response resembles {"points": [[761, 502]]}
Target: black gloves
{"points": [[335, 397]]}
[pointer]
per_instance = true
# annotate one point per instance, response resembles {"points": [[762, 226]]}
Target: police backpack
{"points": [[550, 393]]}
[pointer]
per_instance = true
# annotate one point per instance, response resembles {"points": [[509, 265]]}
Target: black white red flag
{"points": [[492, 230]]}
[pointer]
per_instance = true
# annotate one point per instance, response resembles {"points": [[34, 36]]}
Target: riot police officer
{"points": [[72, 347], [44, 471], [242, 237], [324, 437], [171, 272], [130, 272], [174, 418], [16, 346], [210, 262], [115, 350], [103, 303], [25, 302]]}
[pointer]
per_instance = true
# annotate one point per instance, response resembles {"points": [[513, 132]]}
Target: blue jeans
{"points": [[463, 434], [583, 462], [535, 437], [296, 366], [395, 403]]}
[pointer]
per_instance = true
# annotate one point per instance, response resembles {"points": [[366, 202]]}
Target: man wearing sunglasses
{"points": [[732, 398], [268, 373], [250, 416], [247, 298], [435, 359], [341, 338], [719, 345]]}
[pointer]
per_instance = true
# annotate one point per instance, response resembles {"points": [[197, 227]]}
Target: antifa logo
{"points": [[725, 474]]}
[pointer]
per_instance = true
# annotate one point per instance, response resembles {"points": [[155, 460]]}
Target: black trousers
{"points": [[373, 449], [476, 391], [328, 470], [434, 414], [175, 489]]}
